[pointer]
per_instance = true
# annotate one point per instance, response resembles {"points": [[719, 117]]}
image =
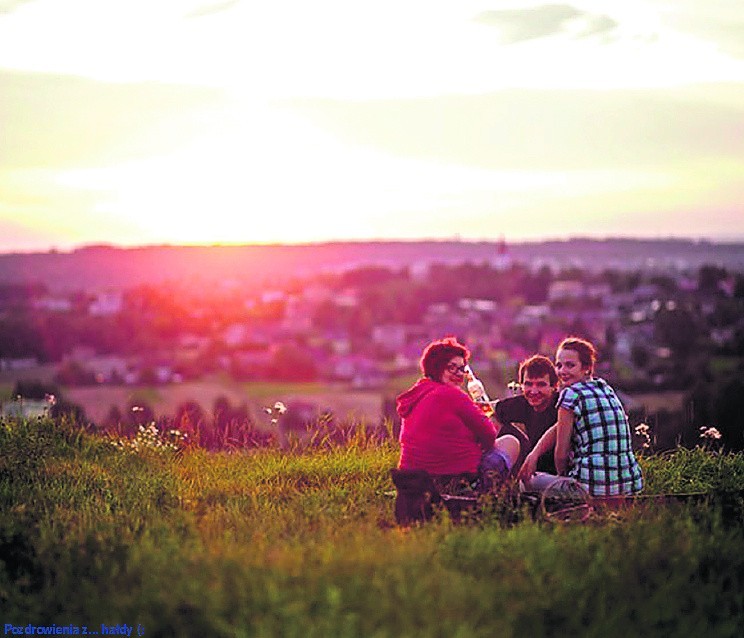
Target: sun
{"points": [[251, 176], [262, 174]]}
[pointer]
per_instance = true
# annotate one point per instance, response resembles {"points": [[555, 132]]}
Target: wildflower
{"points": [[275, 411], [50, 399], [150, 438], [710, 433], [643, 431], [138, 408], [514, 387]]}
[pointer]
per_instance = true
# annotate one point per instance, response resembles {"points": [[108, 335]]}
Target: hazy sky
{"points": [[179, 121]]}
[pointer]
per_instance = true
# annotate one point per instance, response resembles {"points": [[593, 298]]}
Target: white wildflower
{"points": [[710, 433], [643, 431]]}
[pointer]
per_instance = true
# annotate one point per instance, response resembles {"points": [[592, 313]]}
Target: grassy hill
{"points": [[302, 543]]}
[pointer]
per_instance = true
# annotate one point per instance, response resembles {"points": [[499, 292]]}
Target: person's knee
{"points": [[508, 445]]}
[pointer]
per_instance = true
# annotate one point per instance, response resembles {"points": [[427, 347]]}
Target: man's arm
{"points": [[546, 443]]}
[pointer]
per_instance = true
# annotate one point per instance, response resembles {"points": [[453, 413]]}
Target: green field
{"points": [[303, 543], [165, 399], [344, 402]]}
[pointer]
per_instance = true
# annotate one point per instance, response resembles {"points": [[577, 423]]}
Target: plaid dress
{"points": [[602, 456]]}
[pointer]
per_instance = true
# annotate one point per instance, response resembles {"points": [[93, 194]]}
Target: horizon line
{"points": [[717, 240]]}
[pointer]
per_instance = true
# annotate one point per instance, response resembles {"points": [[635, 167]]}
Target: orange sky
{"points": [[239, 122]]}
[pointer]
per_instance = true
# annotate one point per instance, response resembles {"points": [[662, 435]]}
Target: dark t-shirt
{"points": [[517, 410]]}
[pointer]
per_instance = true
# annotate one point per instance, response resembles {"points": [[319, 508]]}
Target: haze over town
{"points": [[340, 327]]}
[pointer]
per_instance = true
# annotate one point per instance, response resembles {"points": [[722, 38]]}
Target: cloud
{"points": [[730, 38], [718, 22], [212, 8], [598, 24], [727, 34], [58, 121], [519, 25], [9, 6], [548, 129]]}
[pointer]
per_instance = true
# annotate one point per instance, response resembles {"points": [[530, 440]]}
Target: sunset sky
{"points": [[178, 121]]}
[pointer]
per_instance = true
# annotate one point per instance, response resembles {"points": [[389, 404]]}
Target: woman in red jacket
{"points": [[442, 430]]}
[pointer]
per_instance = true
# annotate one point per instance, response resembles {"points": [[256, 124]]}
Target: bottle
{"points": [[477, 392]]}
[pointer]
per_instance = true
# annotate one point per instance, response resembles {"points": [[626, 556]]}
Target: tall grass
{"points": [[691, 470], [302, 543]]}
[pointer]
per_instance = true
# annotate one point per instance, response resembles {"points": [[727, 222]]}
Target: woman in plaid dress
{"points": [[592, 437]]}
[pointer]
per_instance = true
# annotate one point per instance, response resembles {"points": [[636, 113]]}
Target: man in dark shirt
{"points": [[529, 414]]}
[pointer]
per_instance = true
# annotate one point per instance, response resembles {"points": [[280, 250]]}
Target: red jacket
{"points": [[442, 430]]}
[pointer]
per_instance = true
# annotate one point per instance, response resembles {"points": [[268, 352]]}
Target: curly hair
{"points": [[438, 354]]}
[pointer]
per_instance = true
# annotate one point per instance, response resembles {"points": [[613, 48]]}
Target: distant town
{"points": [[670, 331]]}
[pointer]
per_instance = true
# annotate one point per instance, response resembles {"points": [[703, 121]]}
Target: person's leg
{"points": [[539, 482], [497, 462], [508, 445]]}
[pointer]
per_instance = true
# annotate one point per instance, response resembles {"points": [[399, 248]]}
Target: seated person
{"points": [[591, 438], [530, 414], [442, 429]]}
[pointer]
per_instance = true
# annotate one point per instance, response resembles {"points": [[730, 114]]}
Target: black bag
{"points": [[416, 493]]}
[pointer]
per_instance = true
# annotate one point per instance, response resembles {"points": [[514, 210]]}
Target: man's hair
{"points": [[438, 354], [585, 349], [537, 366]]}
